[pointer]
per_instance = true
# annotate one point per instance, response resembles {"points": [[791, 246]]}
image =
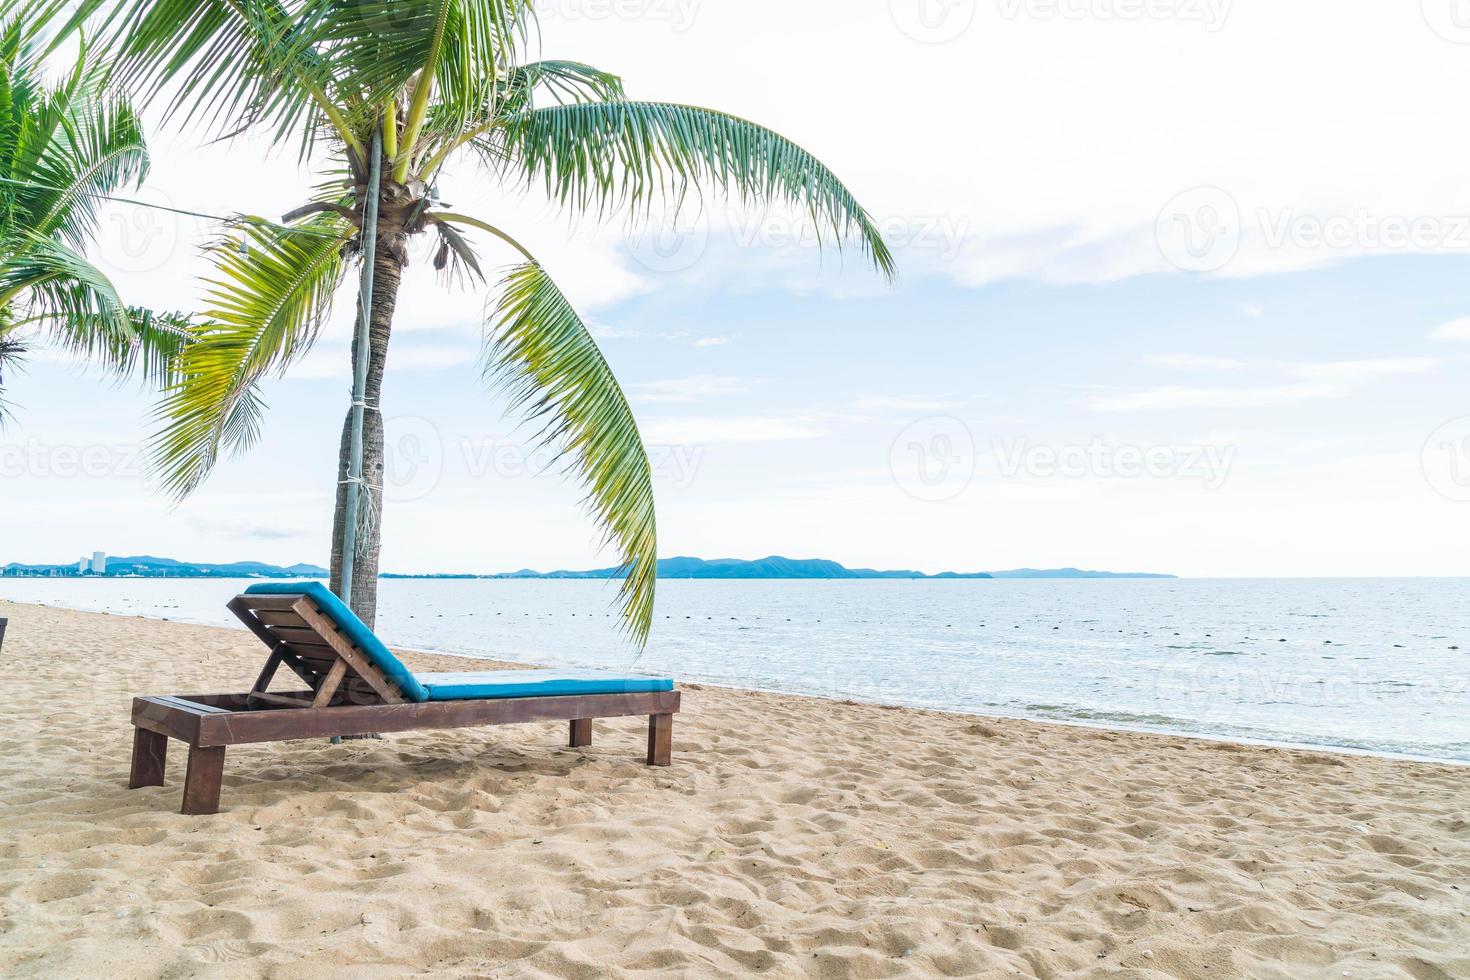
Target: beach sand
{"points": [[791, 836]]}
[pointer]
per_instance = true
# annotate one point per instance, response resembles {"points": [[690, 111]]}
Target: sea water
{"points": [[1377, 665]]}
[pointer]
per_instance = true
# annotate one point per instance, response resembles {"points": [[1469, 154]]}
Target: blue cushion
{"points": [[352, 628], [460, 685]]}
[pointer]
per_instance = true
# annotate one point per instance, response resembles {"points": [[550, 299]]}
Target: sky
{"points": [[1182, 288]]}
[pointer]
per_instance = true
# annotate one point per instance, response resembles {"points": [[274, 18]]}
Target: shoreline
{"points": [[1082, 723], [793, 836]]}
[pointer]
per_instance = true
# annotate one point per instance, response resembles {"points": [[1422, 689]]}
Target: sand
{"points": [[792, 836]]}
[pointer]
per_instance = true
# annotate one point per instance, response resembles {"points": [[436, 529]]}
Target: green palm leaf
{"points": [[97, 147], [603, 155], [273, 290], [542, 353], [81, 309], [12, 357]]}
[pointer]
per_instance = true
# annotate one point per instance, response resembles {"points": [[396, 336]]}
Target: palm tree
{"points": [[432, 83], [62, 149]]}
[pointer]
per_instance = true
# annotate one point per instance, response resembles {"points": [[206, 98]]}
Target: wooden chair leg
{"points": [[581, 732], [660, 739], [202, 781], [149, 752]]}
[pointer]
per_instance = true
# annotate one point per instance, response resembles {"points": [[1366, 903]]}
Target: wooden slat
{"points": [[280, 617], [241, 727], [284, 700], [240, 607], [161, 715], [272, 664], [286, 601], [299, 637], [329, 684], [189, 705], [301, 669], [356, 660]]}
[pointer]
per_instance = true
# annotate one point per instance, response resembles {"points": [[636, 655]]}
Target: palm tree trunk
{"points": [[387, 274]]}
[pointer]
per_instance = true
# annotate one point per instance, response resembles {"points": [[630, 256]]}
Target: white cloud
{"points": [[1349, 372], [1453, 330], [740, 429], [1196, 361], [891, 403], [1178, 396], [711, 341], [1252, 310], [1062, 183], [1311, 382], [331, 360], [690, 389]]}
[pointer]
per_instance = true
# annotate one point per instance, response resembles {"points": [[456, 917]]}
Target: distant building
{"points": [[81, 566], [99, 562]]}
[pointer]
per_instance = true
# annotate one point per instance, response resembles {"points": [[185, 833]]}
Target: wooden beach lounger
{"points": [[358, 687]]}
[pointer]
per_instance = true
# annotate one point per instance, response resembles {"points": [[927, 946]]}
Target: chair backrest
{"points": [[307, 622]]}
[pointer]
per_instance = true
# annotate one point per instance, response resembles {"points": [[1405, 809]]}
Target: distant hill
{"points": [[777, 567], [773, 567], [1072, 573], [147, 566]]}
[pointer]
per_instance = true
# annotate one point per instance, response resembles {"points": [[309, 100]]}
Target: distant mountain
{"points": [[148, 566], [773, 567], [1072, 573], [776, 567]]}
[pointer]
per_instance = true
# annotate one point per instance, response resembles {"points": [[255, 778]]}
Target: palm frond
{"points": [[265, 307], [599, 156], [97, 148], [508, 94], [12, 358], [455, 258], [564, 81], [540, 351], [232, 64], [77, 305]]}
